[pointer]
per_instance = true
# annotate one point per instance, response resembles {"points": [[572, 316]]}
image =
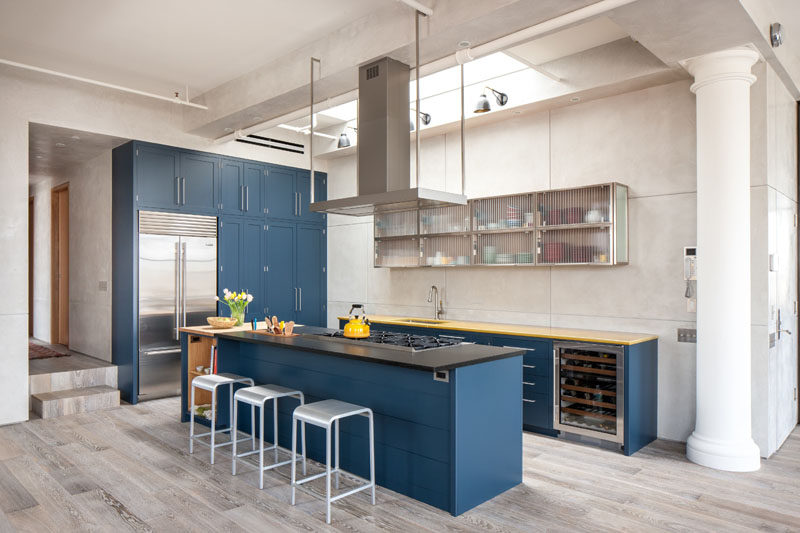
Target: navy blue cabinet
{"points": [[241, 261], [310, 277], [157, 182], [537, 380], [198, 187], [296, 273], [229, 253], [253, 182], [283, 268], [288, 194], [281, 199], [303, 190], [231, 187], [281, 294]]}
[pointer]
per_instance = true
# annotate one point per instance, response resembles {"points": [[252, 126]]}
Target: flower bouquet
{"points": [[237, 302]]}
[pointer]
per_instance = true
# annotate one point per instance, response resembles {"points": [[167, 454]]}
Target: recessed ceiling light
{"points": [[257, 117], [516, 112], [75, 138], [464, 44], [38, 157], [227, 130], [575, 99], [60, 145]]}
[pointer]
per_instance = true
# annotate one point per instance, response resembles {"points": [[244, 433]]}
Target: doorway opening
{"points": [[59, 250]]}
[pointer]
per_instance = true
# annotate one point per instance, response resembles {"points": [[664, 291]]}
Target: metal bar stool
{"points": [[212, 382], [325, 414], [258, 396]]}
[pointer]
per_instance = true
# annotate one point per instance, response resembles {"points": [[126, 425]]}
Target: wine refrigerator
{"points": [[589, 395]]}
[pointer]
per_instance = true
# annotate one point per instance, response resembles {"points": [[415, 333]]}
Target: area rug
{"points": [[37, 351]]}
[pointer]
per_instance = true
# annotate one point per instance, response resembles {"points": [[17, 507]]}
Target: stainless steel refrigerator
{"points": [[177, 286]]}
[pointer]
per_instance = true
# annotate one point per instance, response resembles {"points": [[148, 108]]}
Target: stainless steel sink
{"points": [[422, 321]]}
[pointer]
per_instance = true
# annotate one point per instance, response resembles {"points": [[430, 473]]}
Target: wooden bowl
{"points": [[221, 322]]}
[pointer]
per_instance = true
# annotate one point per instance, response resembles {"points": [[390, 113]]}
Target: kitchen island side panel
{"points": [[412, 414], [641, 395], [487, 431]]}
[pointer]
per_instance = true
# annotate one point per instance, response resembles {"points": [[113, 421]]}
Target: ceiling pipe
{"points": [[49, 72], [422, 8]]}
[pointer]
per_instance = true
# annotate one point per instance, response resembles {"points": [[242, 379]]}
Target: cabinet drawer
{"points": [[536, 411], [532, 384]]}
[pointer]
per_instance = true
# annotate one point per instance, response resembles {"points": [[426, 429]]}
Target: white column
{"points": [[722, 435]]}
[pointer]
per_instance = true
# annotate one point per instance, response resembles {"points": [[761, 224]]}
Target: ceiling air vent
{"points": [[373, 72]]}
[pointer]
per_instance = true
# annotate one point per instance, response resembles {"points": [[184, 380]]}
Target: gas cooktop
{"points": [[401, 341]]}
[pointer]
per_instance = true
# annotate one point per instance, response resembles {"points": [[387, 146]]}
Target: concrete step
{"points": [[72, 379], [74, 401]]}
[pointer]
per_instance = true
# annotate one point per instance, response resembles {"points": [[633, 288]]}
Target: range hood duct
{"points": [[384, 149]]}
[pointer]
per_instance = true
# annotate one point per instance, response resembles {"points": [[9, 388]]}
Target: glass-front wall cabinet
{"points": [[579, 226]]}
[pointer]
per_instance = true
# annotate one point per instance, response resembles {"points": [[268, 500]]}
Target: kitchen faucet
{"points": [[438, 311]]}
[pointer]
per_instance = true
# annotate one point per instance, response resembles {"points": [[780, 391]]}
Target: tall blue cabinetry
{"points": [[268, 241]]}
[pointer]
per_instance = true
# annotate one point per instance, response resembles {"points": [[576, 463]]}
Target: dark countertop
{"points": [[445, 358]]}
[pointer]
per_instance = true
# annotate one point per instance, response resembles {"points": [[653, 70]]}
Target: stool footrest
{"points": [[349, 492], [315, 476]]}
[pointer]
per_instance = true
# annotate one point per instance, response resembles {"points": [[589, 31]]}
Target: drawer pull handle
{"points": [[526, 383], [520, 348], [529, 401], [528, 366]]}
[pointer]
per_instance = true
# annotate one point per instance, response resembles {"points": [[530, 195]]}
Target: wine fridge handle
{"points": [[556, 379]]}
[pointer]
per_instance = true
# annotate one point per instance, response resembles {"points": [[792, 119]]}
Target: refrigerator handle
{"points": [[175, 333], [183, 283], [300, 290]]}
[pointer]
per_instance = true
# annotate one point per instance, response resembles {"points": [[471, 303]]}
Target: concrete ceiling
{"points": [[160, 46], [53, 151], [250, 63]]}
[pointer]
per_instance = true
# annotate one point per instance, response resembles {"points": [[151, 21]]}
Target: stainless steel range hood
{"points": [[384, 148]]}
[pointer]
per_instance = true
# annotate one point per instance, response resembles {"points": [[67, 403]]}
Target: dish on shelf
{"points": [[505, 258], [489, 254], [524, 257]]}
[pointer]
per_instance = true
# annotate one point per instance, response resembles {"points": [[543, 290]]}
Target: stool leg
{"points": [[213, 421], [191, 424], [302, 402], [275, 426], [253, 424], [304, 448], [372, 455], [328, 475], [294, 454], [336, 423], [261, 450], [234, 434]]}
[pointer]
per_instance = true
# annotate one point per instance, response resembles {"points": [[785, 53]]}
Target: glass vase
{"points": [[239, 316]]}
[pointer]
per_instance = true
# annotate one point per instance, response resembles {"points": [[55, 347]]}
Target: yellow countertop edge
{"points": [[582, 335]]}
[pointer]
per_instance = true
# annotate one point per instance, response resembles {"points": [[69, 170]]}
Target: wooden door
{"points": [[60, 265]]}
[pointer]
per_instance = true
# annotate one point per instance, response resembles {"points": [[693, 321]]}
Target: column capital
{"points": [[726, 65]]}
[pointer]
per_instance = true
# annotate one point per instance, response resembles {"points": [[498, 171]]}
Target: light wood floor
{"points": [[129, 468]]}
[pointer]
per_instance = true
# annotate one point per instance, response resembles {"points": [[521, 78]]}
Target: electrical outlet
{"points": [[687, 335], [102, 286]]}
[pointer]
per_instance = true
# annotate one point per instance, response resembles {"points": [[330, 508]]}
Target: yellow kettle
{"points": [[358, 326]]}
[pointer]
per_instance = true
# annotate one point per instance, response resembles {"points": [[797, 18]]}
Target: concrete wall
{"points": [[41, 257], [645, 139], [31, 97], [90, 257]]}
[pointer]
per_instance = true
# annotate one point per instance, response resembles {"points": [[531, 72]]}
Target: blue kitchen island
{"points": [[448, 420]]}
